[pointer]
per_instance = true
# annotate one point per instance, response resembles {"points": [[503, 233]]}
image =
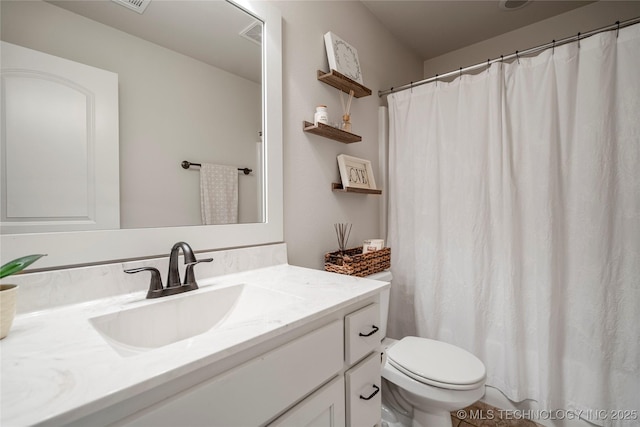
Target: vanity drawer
{"points": [[363, 383], [362, 332]]}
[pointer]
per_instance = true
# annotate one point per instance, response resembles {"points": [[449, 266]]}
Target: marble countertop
{"points": [[57, 368]]}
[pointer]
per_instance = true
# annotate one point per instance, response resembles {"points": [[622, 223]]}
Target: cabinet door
{"points": [[363, 392], [324, 408]]}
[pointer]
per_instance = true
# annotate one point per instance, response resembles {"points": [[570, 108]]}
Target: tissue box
{"points": [[372, 245]]}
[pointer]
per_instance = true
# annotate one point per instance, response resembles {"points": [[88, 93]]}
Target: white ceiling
{"points": [[434, 27]]}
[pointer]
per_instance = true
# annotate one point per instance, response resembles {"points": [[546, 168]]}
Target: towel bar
{"points": [[186, 165]]}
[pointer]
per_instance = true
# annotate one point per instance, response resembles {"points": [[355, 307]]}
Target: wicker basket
{"points": [[354, 263]]}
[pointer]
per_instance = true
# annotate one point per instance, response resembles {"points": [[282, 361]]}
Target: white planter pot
{"points": [[8, 295]]}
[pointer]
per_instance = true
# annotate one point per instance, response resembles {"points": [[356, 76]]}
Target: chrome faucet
{"points": [[174, 286]]}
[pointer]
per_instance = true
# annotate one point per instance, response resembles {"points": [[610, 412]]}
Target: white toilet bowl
{"points": [[434, 377]]}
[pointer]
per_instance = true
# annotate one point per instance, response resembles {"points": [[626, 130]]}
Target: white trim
{"points": [[75, 248]]}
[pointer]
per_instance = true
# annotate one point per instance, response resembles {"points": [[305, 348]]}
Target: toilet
{"points": [[432, 377]]}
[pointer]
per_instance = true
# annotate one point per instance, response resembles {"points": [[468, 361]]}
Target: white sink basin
{"points": [[175, 318]]}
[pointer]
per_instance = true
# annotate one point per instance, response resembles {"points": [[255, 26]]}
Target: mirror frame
{"points": [[90, 247]]}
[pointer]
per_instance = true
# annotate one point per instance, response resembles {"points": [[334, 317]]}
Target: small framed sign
{"points": [[342, 57], [355, 172]]}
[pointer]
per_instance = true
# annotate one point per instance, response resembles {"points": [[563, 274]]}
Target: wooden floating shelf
{"points": [[344, 83], [331, 132], [335, 186]]}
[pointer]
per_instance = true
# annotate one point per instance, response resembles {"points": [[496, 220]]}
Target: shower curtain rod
{"points": [[515, 55]]}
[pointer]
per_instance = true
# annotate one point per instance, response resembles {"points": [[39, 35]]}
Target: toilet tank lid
{"points": [[383, 276]]}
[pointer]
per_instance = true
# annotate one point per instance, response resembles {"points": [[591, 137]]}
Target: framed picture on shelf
{"points": [[342, 57], [355, 172]]}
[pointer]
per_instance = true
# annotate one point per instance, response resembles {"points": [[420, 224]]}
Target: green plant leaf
{"points": [[18, 264]]}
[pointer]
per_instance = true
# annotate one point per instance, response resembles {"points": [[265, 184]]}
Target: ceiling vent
{"points": [[137, 5], [253, 32], [513, 4]]}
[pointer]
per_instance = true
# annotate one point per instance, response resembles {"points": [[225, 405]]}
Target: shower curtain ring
{"points": [[436, 80], [518, 57], [578, 40], [411, 86], [553, 49], [618, 28]]}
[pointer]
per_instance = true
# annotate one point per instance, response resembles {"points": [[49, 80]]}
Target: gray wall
{"points": [[310, 165]]}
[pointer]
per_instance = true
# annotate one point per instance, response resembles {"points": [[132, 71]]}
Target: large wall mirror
{"points": [[134, 95]]}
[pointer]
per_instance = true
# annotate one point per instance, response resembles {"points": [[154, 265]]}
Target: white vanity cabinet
{"points": [[327, 374], [354, 400], [306, 355]]}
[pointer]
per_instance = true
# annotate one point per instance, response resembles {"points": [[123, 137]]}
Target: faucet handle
{"points": [[156, 280], [189, 276]]}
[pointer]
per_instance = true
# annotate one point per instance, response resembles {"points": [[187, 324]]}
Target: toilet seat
{"points": [[437, 363]]}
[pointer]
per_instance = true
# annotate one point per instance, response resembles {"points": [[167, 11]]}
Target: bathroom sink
{"points": [[179, 317]]}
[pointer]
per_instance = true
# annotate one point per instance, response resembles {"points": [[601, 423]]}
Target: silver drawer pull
{"points": [[375, 329], [377, 389]]}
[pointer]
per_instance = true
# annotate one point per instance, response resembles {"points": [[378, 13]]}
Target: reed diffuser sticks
{"points": [[342, 233], [346, 109]]}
